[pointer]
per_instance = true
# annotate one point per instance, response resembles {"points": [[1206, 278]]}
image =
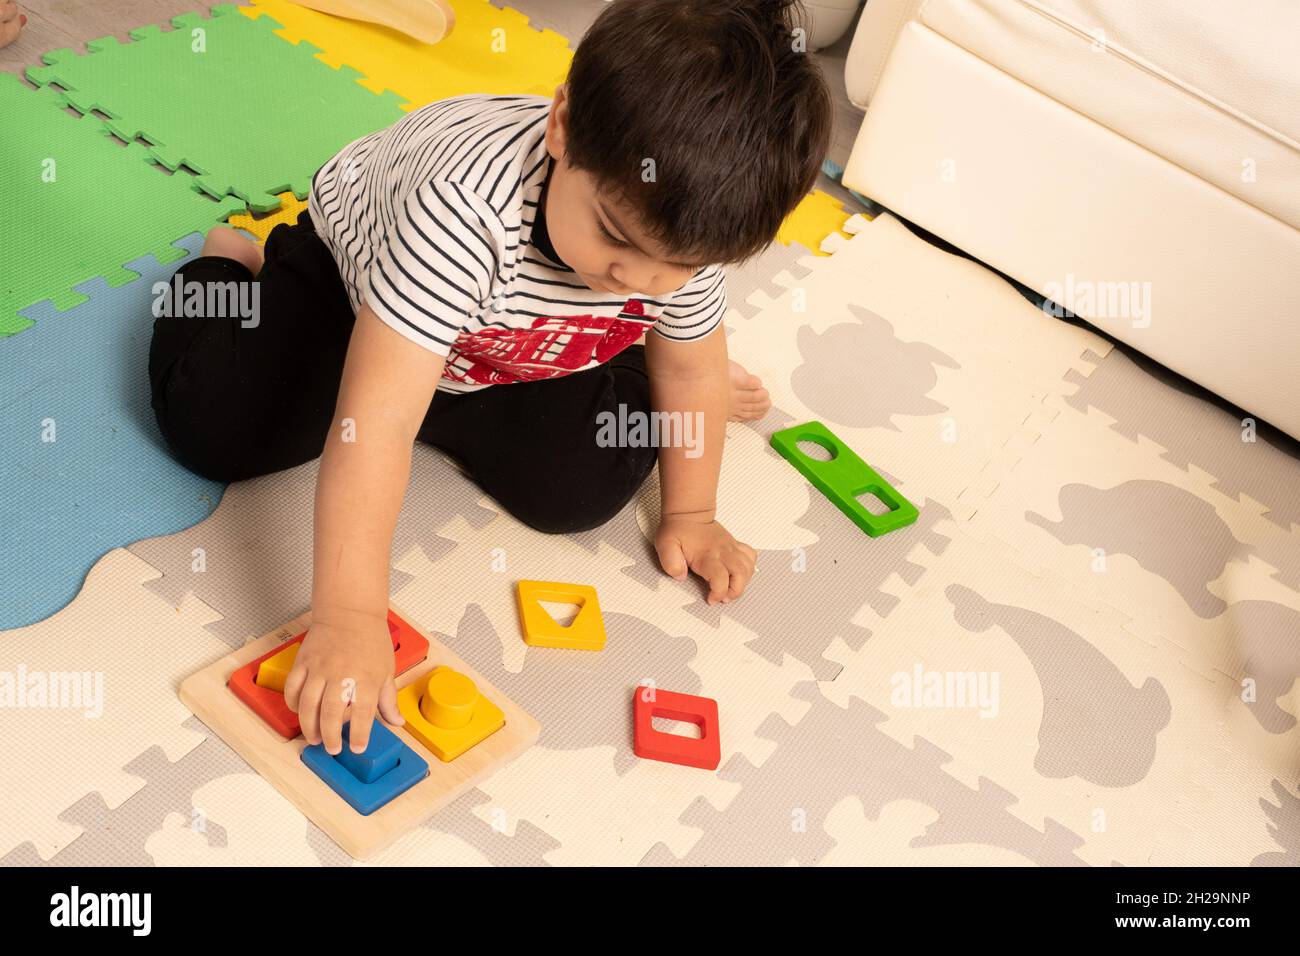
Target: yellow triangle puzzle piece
{"points": [[586, 632]]}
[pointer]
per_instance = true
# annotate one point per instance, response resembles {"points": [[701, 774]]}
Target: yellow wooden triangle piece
{"points": [[585, 632], [273, 671]]}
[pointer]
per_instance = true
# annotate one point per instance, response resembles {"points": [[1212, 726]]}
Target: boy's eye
{"points": [[624, 244], [610, 237]]}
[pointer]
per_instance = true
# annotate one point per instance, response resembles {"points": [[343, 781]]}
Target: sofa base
{"points": [[1199, 280]]}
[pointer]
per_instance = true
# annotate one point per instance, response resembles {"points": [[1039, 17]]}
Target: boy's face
{"points": [[598, 238]]}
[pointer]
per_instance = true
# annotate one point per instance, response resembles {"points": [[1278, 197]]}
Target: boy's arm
{"points": [[387, 385], [692, 378]]}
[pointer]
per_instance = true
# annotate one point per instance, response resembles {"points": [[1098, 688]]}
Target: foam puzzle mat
{"points": [[227, 63], [61, 226], [79, 435], [259, 227], [520, 58], [1083, 652], [106, 479]]}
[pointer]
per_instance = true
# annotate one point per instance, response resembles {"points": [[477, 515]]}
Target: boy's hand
{"points": [[708, 549], [344, 670]]}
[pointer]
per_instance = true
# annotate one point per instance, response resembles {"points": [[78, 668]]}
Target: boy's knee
{"points": [[568, 519], [199, 439], [224, 449], [212, 431], [562, 506]]}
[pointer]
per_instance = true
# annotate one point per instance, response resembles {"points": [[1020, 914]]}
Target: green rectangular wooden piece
{"points": [[844, 477]]}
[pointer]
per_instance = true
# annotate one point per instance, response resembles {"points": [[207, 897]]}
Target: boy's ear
{"points": [[557, 123]]}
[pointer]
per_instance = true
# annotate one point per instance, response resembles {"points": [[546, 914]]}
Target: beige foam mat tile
{"points": [[928, 365], [597, 816], [1157, 542], [888, 839], [761, 499], [597, 803], [261, 828], [1109, 736], [431, 847], [953, 304], [1236, 453], [140, 646]]}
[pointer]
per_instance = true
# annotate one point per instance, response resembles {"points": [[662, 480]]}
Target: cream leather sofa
{"points": [[1136, 161]]}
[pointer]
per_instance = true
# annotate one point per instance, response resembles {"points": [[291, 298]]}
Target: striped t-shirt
{"points": [[435, 223]]}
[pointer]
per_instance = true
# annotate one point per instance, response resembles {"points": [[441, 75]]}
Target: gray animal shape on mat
{"points": [[117, 837], [583, 699], [800, 607], [257, 546], [860, 374], [755, 275], [833, 753], [1096, 725], [1284, 827], [527, 846], [1266, 639], [1194, 429], [796, 612], [1169, 531]]}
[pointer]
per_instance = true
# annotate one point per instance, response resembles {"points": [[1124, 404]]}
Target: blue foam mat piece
{"points": [[107, 479]]}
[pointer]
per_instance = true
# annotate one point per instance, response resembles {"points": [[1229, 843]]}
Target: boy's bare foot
{"points": [[11, 22], [749, 398], [224, 241]]}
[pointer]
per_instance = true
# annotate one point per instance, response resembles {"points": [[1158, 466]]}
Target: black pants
{"points": [[235, 402]]}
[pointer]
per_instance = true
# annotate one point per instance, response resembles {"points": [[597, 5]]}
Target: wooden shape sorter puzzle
{"points": [[281, 762]]}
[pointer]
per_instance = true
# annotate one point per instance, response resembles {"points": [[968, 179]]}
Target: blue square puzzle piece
{"points": [[368, 780]]}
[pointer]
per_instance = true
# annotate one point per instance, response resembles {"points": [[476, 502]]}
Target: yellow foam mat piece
{"points": [[290, 207], [490, 50], [817, 216]]}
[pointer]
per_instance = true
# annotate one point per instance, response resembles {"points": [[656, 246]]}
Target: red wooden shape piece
{"points": [[705, 753], [409, 648]]}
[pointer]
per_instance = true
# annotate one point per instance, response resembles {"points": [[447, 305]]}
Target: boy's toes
{"points": [[742, 380], [747, 406], [749, 399]]}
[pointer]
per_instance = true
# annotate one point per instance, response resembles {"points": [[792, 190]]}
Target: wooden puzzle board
{"points": [[280, 761]]}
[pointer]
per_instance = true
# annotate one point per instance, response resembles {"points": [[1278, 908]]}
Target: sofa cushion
{"points": [[1214, 87], [878, 28]]}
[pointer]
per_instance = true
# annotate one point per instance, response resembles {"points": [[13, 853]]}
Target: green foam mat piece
{"points": [[75, 205], [253, 115]]}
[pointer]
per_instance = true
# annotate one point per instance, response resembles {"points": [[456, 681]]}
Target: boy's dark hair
{"points": [[726, 102]]}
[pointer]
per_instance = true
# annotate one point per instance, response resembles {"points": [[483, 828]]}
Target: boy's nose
{"points": [[618, 283]]}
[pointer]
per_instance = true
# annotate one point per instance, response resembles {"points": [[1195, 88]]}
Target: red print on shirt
{"points": [[552, 346]]}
